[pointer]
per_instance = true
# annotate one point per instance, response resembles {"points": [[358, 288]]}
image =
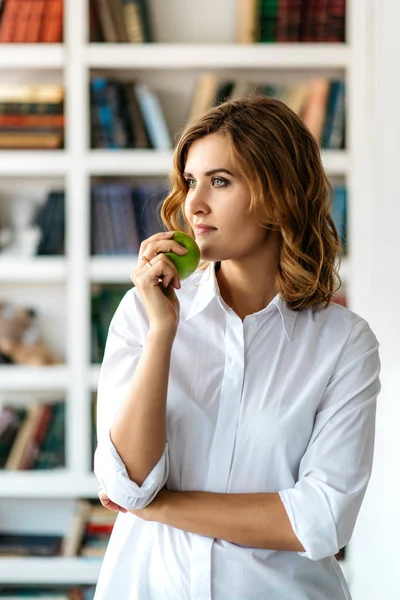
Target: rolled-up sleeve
{"points": [[121, 357], [336, 468]]}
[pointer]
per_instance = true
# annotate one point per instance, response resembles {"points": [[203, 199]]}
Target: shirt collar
{"points": [[207, 289]]}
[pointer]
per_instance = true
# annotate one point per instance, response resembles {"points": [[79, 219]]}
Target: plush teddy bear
{"points": [[20, 342]]}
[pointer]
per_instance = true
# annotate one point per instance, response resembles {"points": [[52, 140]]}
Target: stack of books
{"points": [[89, 532], [32, 437], [114, 21], [286, 21], [31, 21], [126, 115], [319, 102], [31, 116]]}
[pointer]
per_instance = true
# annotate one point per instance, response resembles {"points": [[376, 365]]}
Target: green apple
{"points": [[187, 263]]}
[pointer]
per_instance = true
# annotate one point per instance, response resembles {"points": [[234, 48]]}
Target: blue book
{"points": [[103, 113], [333, 130], [339, 213]]}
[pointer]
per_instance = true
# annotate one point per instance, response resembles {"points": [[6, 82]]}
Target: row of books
{"points": [[124, 215], [47, 593], [31, 21], [31, 116], [126, 115], [114, 21], [32, 437], [319, 102], [89, 532], [87, 536], [291, 21]]}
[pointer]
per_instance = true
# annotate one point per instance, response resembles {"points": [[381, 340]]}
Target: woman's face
{"points": [[219, 198]]}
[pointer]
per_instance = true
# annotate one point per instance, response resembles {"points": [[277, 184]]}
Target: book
{"points": [[73, 540], [13, 544], [247, 21], [51, 30], [117, 15], [9, 21], [23, 437], [22, 18], [315, 110], [104, 13], [35, 21], [134, 21], [153, 117], [204, 95]]}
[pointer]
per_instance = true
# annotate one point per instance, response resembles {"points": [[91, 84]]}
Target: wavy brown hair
{"points": [[290, 193]]}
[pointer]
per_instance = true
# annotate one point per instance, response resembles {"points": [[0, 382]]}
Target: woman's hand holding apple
{"points": [[152, 277]]}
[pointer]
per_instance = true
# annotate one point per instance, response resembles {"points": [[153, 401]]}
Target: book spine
{"points": [[106, 21], [23, 16], [153, 117], [9, 20], [35, 21], [52, 24], [133, 22], [247, 27]]}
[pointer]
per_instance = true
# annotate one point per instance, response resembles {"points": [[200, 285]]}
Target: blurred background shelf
{"points": [[56, 483], [26, 378], [32, 56], [32, 162], [49, 570], [217, 56], [32, 269]]}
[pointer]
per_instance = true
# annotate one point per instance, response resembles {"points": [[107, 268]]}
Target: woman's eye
{"points": [[190, 182], [219, 182]]}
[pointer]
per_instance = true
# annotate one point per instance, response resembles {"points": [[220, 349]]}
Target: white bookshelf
{"points": [[166, 64]]}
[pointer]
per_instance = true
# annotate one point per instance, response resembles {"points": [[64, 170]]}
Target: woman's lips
{"points": [[203, 230]]}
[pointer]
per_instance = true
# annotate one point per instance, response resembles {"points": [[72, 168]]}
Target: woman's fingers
{"points": [[109, 504], [154, 269]]}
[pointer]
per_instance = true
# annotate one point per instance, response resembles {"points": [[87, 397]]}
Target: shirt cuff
{"points": [[312, 521], [113, 476]]}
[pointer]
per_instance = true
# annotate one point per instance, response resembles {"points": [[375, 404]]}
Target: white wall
{"points": [[375, 546]]}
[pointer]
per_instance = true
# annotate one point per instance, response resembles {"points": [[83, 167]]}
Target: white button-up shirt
{"points": [[282, 401]]}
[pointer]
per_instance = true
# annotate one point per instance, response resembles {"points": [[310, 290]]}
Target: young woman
{"points": [[236, 409]]}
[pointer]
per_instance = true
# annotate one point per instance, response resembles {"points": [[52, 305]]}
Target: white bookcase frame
{"points": [[77, 270]]}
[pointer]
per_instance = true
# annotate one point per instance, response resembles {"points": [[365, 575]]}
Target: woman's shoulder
{"points": [[339, 320]]}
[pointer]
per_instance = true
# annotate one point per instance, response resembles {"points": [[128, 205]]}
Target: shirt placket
{"points": [[222, 449]]}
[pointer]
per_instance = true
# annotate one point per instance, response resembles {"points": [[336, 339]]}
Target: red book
{"points": [[94, 528], [31, 121], [21, 26], [35, 21], [9, 20], [52, 24]]}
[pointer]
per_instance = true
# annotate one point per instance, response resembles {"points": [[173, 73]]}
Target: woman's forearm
{"points": [[257, 520], [139, 429]]}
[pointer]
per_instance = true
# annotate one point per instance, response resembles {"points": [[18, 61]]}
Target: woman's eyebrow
{"points": [[212, 172]]}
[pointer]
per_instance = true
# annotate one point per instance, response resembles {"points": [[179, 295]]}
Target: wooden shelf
{"points": [[217, 56], [54, 570]]}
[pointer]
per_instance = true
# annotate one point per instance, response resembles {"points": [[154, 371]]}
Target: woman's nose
{"points": [[197, 199]]}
